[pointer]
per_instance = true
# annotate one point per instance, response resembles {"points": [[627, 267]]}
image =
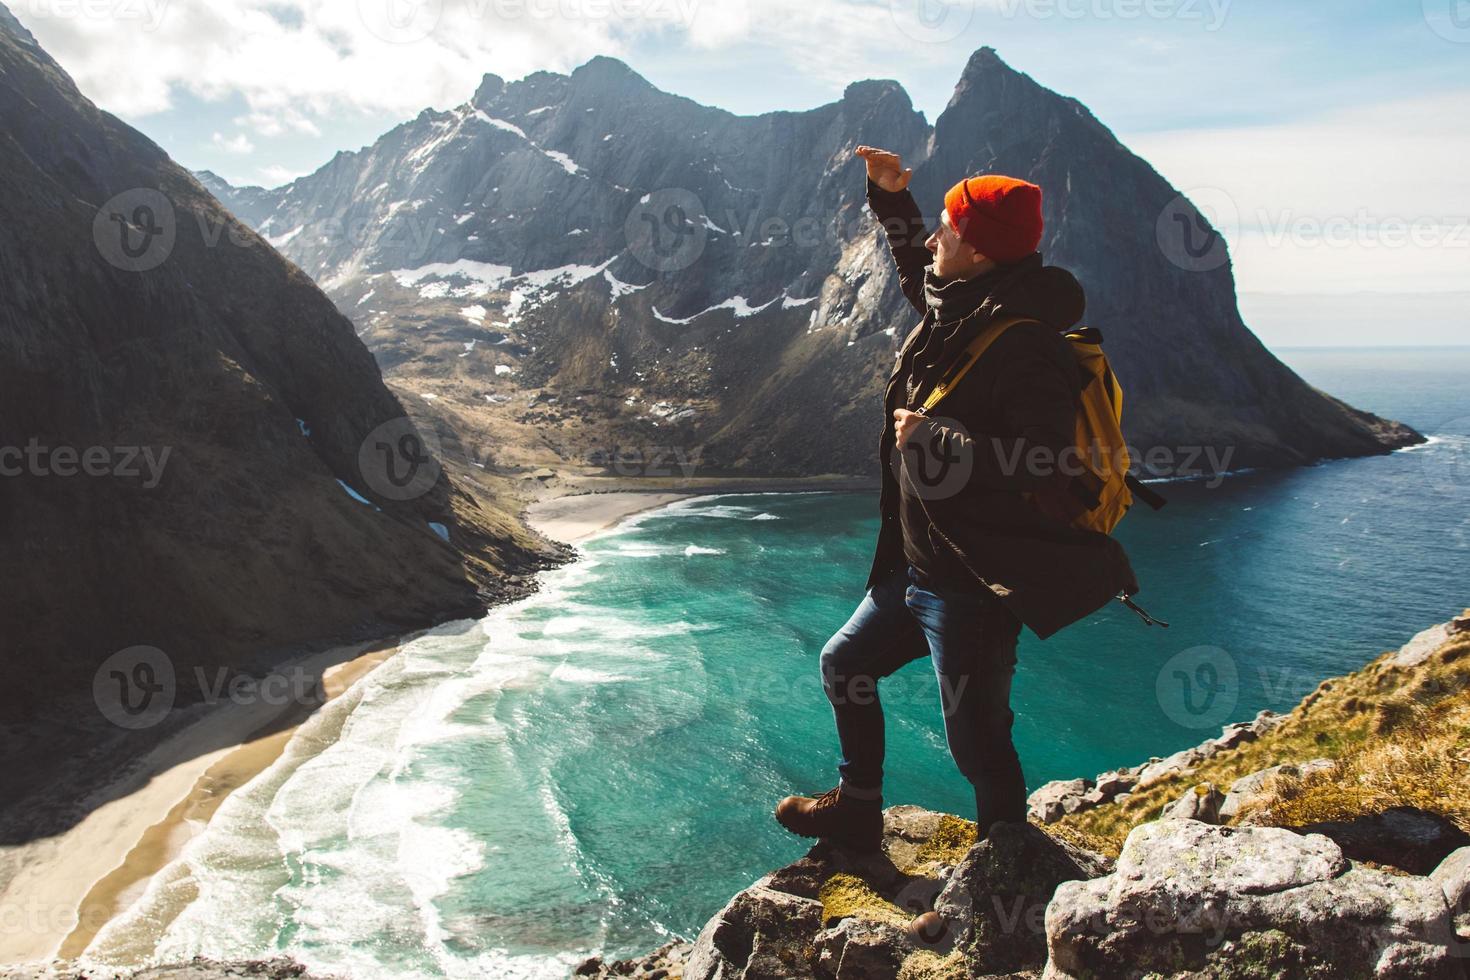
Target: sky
{"points": [[1327, 141]]}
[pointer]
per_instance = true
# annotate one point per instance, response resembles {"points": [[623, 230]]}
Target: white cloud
{"points": [[239, 143], [1375, 196], [274, 175], [279, 122], [295, 63]]}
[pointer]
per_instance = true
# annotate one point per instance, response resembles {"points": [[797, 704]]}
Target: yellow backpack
{"points": [[1104, 489]]}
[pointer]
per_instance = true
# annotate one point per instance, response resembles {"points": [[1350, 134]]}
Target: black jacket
{"points": [[1020, 397]]}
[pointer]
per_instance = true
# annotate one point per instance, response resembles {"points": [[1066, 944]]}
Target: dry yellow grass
{"points": [[948, 845], [845, 895], [1399, 736]]}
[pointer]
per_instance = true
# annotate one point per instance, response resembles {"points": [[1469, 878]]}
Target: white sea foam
{"points": [[346, 851]]}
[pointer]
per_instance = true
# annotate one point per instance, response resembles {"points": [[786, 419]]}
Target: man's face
{"points": [[953, 256]]}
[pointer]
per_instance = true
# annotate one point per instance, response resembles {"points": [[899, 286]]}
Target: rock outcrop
{"points": [[680, 275], [1185, 900], [1382, 894], [1061, 797], [1189, 899], [835, 915]]}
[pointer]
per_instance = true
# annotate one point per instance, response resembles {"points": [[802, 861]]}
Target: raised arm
{"points": [[896, 211]]}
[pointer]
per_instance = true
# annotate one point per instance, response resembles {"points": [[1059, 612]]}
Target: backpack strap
{"points": [[1143, 492], [967, 359]]}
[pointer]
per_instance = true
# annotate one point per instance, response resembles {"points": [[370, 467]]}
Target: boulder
{"points": [[666, 961], [857, 949], [758, 929], [1421, 646], [1110, 784], [1188, 899], [1201, 802], [1049, 803], [1251, 787], [835, 913], [995, 901], [1235, 734], [1453, 877], [1182, 761], [1405, 837]]}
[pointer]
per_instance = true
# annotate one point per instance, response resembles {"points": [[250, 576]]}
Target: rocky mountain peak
{"points": [[603, 69], [875, 91], [490, 88], [984, 59]]}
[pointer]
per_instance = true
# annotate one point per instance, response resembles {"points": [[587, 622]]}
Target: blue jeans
{"points": [[971, 638]]}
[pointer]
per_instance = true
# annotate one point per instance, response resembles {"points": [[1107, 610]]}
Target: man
{"points": [[964, 556]]}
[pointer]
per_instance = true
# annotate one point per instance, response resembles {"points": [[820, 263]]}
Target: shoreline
{"points": [[588, 506], [69, 886]]}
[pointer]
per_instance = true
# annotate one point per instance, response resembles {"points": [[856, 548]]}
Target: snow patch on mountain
{"points": [[620, 288], [739, 304], [481, 277]]}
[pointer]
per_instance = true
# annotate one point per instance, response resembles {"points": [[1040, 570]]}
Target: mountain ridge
{"points": [[140, 320], [496, 257]]}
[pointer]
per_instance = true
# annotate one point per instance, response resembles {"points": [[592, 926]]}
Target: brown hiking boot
{"points": [[845, 820]]}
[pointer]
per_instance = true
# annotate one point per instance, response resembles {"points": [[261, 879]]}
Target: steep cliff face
{"points": [[1158, 278], [667, 272], [191, 433]]}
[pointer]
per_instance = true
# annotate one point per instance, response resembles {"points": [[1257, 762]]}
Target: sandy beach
{"points": [[589, 505], [68, 886], [576, 518]]}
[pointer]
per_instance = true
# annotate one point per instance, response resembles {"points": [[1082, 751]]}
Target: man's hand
{"points": [[905, 424], [884, 168]]}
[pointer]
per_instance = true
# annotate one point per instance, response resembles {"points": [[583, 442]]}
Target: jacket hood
{"points": [[1026, 288], [1047, 293]]}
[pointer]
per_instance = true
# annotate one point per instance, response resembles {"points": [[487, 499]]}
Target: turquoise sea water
{"points": [[592, 770]]}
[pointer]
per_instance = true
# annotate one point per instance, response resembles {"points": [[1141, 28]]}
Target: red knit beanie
{"points": [[999, 216]]}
